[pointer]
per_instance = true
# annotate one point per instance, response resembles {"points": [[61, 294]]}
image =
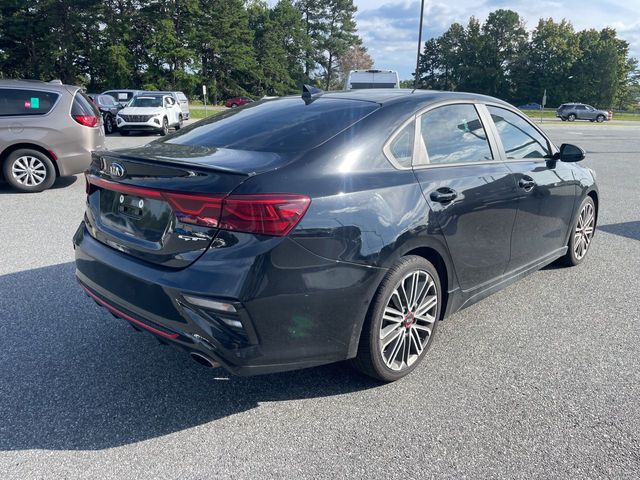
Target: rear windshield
{"points": [[146, 102], [285, 125], [25, 102], [82, 105]]}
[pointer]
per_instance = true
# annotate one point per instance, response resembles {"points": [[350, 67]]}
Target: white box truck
{"points": [[358, 79]]}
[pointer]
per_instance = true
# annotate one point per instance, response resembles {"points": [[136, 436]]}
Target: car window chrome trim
{"points": [[493, 137]]}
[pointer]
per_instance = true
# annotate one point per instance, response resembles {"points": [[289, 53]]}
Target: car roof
{"points": [[40, 85], [387, 96]]}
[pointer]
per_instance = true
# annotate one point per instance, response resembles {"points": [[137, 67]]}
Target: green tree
{"points": [[280, 44], [338, 34], [546, 63], [171, 28], [224, 44], [504, 38]]}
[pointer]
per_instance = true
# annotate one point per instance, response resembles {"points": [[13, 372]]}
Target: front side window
{"points": [[25, 102], [519, 138], [401, 148], [454, 134]]}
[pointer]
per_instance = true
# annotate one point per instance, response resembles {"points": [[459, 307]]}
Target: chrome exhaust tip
{"points": [[203, 360]]}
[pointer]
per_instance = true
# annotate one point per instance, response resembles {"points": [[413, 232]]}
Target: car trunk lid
{"points": [[161, 206]]}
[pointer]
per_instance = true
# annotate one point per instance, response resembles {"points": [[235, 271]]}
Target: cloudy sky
{"points": [[389, 28]]}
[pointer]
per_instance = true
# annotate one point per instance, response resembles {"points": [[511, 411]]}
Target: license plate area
{"points": [[130, 205]]}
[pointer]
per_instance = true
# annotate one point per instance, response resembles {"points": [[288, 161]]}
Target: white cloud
{"points": [[390, 28]]}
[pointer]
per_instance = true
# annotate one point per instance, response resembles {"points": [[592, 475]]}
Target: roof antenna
{"points": [[415, 82], [309, 93]]}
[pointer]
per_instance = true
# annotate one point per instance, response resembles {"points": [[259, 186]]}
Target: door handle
{"points": [[527, 184], [443, 195]]}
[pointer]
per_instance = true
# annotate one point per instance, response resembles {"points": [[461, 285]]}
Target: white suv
{"points": [[150, 112]]}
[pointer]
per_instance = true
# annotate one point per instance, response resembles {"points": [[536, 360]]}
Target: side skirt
{"points": [[467, 298]]}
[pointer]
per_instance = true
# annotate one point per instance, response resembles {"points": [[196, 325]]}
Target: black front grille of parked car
{"points": [[136, 118]]}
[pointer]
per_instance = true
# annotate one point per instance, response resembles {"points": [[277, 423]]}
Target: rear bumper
{"points": [[297, 310], [75, 156]]}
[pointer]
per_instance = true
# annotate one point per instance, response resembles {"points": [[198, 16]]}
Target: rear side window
{"points": [[401, 148], [519, 139], [26, 102], [286, 125], [454, 134], [83, 106]]}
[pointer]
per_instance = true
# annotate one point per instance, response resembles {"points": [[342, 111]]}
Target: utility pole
{"points": [[415, 83]]}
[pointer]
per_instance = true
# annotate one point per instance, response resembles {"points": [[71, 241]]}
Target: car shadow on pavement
{"points": [[624, 229], [61, 182], [73, 377]]}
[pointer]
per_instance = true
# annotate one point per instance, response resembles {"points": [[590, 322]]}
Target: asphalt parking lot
{"points": [[541, 380]]}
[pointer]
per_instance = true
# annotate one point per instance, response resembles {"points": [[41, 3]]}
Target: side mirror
{"points": [[570, 153]]}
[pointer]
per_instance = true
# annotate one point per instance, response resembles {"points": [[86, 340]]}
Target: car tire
{"points": [[124, 133], [109, 125], [571, 117], [165, 127], [393, 319], [179, 125], [29, 170], [582, 230], [600, 118], [234, 105]]}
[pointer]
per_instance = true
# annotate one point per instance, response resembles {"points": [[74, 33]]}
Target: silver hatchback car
{"points": [[47, 130]]}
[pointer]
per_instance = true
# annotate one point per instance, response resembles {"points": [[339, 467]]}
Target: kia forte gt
{"points": [[329, 226]]}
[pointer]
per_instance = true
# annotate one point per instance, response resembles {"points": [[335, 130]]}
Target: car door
{"points": [[546, 189], [169, 105], [472, 195], [581, 112], [591, 112]]}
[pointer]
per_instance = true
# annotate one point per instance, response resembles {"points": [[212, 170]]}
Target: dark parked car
{"points": [[530, 106], [123, 96], [580, 111], [341, 225], [237, 102], [109, 108]]}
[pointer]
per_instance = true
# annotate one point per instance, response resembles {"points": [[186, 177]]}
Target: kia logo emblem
{"points": [[116, 170]]}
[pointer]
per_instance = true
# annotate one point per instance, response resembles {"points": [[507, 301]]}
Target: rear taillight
{"points": [[266, 214], [86, 120], [196, 209]]}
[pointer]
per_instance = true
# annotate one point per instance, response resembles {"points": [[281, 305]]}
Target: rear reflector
{"points": [[86, 120], [266, 214]]}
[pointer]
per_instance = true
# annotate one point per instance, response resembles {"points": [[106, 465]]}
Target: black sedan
{"points": [[108, 108], [340, 225]]}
